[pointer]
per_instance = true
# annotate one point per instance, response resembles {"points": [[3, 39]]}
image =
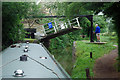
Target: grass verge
{"points": [[83, 59], [29, 39]]}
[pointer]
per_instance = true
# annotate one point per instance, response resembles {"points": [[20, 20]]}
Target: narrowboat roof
{"points": [[37, 55]]}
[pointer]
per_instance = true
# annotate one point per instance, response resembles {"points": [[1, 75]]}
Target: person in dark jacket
{"points": [[97, 31]]}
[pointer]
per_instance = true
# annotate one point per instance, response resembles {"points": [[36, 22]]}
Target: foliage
{"points": [[57, 8], [111, 28], [12, 28], [83, 59], [111, 9], [59, 45], [77, 8], [63, 56], [61, 48], [101, 21], [34, 10]]}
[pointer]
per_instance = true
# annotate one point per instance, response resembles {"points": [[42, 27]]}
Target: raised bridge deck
{"points": [[58, 28], [62, 32]]}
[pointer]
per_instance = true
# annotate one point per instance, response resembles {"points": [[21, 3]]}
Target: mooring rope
{"points": [[44, 66], [9, 62]]}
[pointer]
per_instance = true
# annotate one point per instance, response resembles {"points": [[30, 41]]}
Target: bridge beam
{"points": [[58, 34], [57, 16]]}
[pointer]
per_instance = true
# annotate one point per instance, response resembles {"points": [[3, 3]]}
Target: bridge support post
{"points": [[91, 36], [46, 43], [90, 18]]}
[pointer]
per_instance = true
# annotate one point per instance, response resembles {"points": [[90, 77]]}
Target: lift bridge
{"points": [[60, 26], [57, 27]]}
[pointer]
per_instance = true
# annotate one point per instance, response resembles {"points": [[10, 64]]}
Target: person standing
{"points": [[97, 32]]}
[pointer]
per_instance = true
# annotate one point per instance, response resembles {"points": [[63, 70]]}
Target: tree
{"points": [[101, 20], [110, 9], [12, 28], [34, 10]]}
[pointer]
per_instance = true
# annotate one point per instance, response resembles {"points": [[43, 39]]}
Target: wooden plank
{"points": [[78, 22], [73, 22], [49, 30], [57, 16], [56, 26], [77, 27]]}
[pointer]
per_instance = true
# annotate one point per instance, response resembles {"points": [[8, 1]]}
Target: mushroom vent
{"points": [[19, 73], [27, 42], [25, 50], [12, 46], [23, 58]]}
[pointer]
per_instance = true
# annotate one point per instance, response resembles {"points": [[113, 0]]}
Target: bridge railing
{"points": [[60, 24]]}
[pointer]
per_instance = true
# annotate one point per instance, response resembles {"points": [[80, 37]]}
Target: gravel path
{"points": [[105, 66]]}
